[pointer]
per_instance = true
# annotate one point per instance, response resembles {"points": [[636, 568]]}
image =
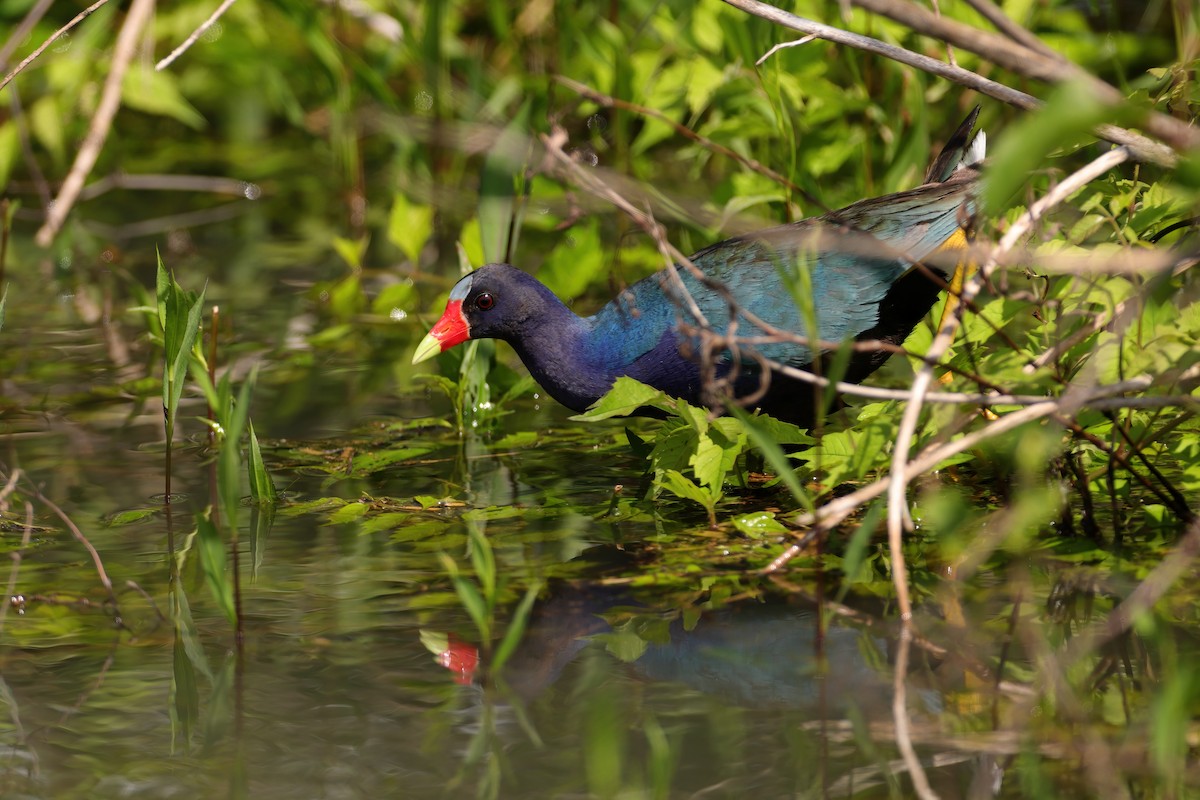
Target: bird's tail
{"points": [[965, 149]]}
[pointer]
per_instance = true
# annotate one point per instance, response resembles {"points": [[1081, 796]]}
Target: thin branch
{"points": [[196, 34], [110, 99], [783, 45], [54, 37]]}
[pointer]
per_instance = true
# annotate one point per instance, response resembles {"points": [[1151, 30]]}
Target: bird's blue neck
{"points": [[560, 352], [577, 359]]}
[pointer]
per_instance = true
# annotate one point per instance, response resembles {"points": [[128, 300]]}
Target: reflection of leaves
{"points": [[213, 563]]}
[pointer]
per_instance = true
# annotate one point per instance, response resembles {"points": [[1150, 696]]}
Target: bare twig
{"points": [[110, 100], [783, 45], [54, 37], [196, 34]]}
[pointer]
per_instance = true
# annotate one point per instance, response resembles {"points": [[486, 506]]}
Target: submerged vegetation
{"points": [[975, 571]]}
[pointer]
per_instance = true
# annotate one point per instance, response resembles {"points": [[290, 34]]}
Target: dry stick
{"points": [[110, 99], [196, 34], [1143, 148], [80, 17], [837, 510], [897, 506], [1024, 61]]}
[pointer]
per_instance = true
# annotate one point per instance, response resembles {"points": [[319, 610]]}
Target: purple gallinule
{"points": [[858, 293]]}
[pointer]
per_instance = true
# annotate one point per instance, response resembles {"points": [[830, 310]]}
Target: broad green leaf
{"points": [[761, 431], [758, 524], [680, 485], [578, 259], [409, 226], [148, 90], [625, 397], [499, 186]]}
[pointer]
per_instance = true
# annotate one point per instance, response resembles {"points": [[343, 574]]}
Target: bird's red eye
{"points": [[484, 301]]}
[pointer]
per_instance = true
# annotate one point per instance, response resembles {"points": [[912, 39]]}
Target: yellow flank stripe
{"points": [[957, 241]]}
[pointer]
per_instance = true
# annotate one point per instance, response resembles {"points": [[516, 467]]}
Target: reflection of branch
{"points": [[110, 100]]}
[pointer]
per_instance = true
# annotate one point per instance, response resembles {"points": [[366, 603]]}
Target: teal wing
{"points": [[853, 256]]}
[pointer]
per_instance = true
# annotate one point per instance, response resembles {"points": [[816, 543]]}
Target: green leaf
{"points": [[577, 260], [351, 251], [1065, 121], [483, 561], [762, 431], [503, 175], [152, 92], [435, 642], [680, 485], [213, 563], [625, 397], [262, 489]]}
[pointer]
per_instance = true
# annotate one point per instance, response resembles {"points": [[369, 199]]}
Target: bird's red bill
{"points": [[450, 330]]}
